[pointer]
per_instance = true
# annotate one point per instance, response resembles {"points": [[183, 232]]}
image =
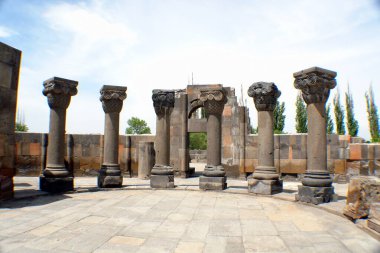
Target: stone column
{"points": [[56, 176], [265, 180], [315, 84], [112, 101], [162, 175], [214, 176]]}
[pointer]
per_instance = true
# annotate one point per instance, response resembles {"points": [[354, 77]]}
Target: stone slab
{"points": [[212, 183], [264, 187], [56, 185], [315, 195], [162, 181], [374, 225]]}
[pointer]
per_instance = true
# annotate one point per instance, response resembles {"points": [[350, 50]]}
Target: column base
{"points": [[316, 195], [110, 177], [264, 187], [162, 181], [56, 184], [212, 183]]}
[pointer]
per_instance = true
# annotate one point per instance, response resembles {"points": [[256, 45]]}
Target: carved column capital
{"points": [[59, 91], [112, 97], [213, 100], [162, 101], [315, 84], [264, 95]]}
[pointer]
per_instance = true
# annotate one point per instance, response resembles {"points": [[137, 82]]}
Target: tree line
{"points": [[344, 116]]}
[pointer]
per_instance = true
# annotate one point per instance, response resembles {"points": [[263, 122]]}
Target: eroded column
{"points": [[56, 176], [112, 101], [315, 84], [265, 180], [162, 175], [214, 176]]}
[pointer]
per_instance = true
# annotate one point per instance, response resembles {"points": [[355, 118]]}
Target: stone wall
{"points": [[290, 153], [9, 74], [291, 157], [87, 151]]}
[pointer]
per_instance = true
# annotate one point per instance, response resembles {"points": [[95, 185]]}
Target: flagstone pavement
{"points": [[139, 219]]}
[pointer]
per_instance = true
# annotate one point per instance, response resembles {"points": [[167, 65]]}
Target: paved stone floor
{"points": [[137, 219]]}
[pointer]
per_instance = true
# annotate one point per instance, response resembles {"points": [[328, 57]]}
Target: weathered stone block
{"points": [[56, 185], [264, 187], [212, 183], [362, 192], [374, 217], [315, 195], [162, 181], [355, 152], [105, 181]]}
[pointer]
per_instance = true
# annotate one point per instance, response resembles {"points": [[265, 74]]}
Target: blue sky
{"points": [[146, 45]]}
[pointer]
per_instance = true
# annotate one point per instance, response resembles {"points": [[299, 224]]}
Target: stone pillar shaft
{"points": [[56, 149], [214, 140], [111, 138], [265, 138], [316, 156], [112, 102], [56, 176], [163, 132]]}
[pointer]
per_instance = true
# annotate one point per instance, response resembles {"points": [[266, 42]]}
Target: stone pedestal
{"points": [[265, 179], [112, 101], [162, 175], [264, 187], [56, 177], [315, 84], [214, 176]]}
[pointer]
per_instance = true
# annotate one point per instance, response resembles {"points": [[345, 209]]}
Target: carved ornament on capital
{"points": [[264, 95], [112, 98], [59, 91], [213, 100], [163, 101], [315, 84]]}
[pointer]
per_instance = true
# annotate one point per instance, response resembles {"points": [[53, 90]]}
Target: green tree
{"points": [[329, 121], [301, 115], [279, 118], [198, 141], [339, 115], [137, 126], [352, 123], [20, 125], [373, 117]]}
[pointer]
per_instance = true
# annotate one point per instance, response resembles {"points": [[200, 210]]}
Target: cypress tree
{"points": [[329, 121], [352, 123], [373, 117], [301, 115], [279, 118], [339, 115]]}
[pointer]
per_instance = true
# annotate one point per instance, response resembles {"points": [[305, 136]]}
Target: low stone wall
{"points": [[344, 158], [198, 156], [87, 152]]}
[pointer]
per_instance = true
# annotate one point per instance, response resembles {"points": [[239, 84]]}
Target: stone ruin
{"points": [[231, 152]]}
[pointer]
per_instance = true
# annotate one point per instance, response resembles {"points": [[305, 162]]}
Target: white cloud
{"points": [[146, 46], [5, 32]]}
